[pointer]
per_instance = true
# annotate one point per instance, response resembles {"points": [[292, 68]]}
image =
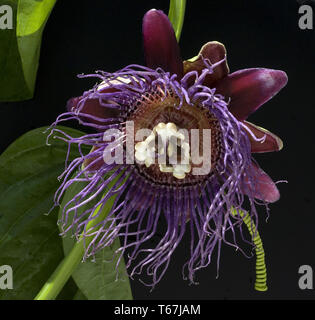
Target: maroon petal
{"points": [[262, 187], [250, 88], [93, 107], [213, 51], [270, 143], [160, 45], [72, 103]]}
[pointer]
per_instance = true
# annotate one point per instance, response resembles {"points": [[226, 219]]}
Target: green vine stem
{"points": [[63, 272], [61, 275], [261, 270], [176, 15]]}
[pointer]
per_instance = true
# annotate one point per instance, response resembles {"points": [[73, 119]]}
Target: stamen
{"points": [[171, 139]]}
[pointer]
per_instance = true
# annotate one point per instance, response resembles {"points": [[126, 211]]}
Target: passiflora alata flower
{"points": [[193, 168]]}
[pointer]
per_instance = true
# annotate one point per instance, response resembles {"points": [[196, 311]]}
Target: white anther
{"points": [[169, 135], [148, 162], [179, 175], [165, 168], [141, 146]]}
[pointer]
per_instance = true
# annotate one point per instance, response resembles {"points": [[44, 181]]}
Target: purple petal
{"points": [[160, 44], [262, 187], [213, 51], [250, 88], [270, 143]]}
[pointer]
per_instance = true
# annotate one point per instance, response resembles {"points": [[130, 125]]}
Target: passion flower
{"points": [[195, 182]]}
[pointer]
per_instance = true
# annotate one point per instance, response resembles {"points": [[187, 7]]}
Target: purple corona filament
{"points": [[200, 92]]}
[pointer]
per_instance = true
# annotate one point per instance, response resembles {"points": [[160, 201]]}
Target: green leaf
{"points": [[79, 296], [20, 48], [69, 291], [29, 239], [97, 279]]}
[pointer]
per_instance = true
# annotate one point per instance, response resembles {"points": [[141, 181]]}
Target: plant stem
{"points": [[261, 270], [176, 15], [61, 275]]}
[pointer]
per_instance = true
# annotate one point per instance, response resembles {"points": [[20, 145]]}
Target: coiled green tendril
{"points": [[261, 270]]}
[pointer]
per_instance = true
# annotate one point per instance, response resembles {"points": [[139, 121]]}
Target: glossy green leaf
{"points": [[29, 240], [97, 279], [20, 48]]}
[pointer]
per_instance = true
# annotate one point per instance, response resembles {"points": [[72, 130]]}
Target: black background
{"points": [[86, 36]]}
